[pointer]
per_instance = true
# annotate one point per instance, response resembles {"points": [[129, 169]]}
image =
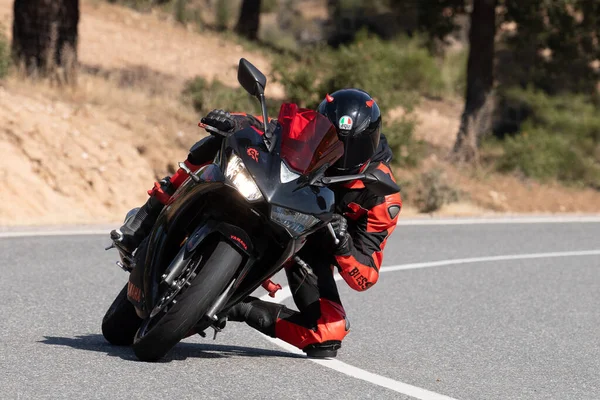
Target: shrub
{"points": [[454, 72], [394, 72], [300, 78], [559, 139], [407, 150], [5, 59], [224, 14], [205, 97], [273, 36], [268, 6], [140, 5], [180, 11], [433, 191]]}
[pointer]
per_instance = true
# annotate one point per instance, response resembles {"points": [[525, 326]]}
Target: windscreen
{"points": [[308, 139]]}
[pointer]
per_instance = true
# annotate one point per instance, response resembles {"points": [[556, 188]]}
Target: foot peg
{"points": [[271, 287]]}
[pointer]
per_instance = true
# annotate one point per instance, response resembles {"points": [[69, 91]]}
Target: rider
{"points": [[362, 223]]}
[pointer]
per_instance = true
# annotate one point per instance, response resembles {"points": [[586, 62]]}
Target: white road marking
{"points": [[472, 260], [389, 383], [543, 219], [9, 232], [67, 232]]}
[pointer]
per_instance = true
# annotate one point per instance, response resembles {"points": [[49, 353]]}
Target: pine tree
{"points": [[45, 36]]}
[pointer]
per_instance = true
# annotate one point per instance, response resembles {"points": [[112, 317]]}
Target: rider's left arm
{"points": [[360, 260]]}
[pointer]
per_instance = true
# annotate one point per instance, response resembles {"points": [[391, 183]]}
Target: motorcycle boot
{"points": [[260, 315], [326, 349], [139, 222], [263, 316]]}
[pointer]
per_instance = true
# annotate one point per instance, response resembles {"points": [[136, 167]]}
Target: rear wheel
{"points": [[158, 334], [120, 322]]}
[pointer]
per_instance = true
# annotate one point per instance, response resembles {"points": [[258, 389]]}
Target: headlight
{"points": [[293, 221], [240, 177]]}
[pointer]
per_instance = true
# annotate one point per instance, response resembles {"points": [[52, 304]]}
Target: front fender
{"points": [[233, 234]]}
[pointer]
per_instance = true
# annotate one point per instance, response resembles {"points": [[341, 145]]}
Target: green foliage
{"points": [[393, 72], [388, 18], [300, 78], [555, 43], [433, 191], [268, 6], [180, 11], [560, 139], [141, 5], [284, 41], [205, 97], [454, 72], [436, 18], [224, 14], [407, 150], [5, 60]]}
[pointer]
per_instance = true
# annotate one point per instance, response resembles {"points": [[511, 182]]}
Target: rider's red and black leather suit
{"points": [[321, 320]]}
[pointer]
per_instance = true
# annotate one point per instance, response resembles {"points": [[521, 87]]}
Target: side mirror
{"points": [[251, 78], [380, 183]]}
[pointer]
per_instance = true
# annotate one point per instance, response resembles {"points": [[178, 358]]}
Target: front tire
{"points": [[153, 342], [120, 323]]}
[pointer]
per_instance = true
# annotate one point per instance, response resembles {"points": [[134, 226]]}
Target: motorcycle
{"points": [[231, 226]]}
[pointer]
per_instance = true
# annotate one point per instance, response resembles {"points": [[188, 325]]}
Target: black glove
{"points": [[220, 119], [340, 227]]}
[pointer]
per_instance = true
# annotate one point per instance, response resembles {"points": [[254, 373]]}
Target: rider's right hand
{"points": [[340, 228], [220, 119]]}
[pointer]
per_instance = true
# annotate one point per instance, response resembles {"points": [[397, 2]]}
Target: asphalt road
{"points": [[499, 328]]}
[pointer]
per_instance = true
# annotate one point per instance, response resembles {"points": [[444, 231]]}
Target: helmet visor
{"points": [[358, 149]]}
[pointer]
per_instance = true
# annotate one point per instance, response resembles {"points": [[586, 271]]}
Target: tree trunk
{"points": [[249, 20], [479, 103], [45, 37]]}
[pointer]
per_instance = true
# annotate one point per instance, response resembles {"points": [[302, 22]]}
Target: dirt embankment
{"points": [[88, 154]]}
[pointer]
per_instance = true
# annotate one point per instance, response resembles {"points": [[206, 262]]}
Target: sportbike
{"points": [[231, 226]]}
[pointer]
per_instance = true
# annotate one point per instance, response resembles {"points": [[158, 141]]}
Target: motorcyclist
{"points": [[362, 223]]}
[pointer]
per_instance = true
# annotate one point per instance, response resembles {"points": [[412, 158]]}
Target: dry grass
{"points": [[89, 153]]}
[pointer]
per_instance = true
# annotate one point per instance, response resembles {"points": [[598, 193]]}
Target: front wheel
{"points": [[120, 321], [160, 333]]}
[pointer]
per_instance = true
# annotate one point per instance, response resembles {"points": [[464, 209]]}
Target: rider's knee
{"points": [[333, 324]]}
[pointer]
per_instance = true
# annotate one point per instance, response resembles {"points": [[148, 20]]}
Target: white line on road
{"points": [[10, 232], [389, 383], [68, 232], [559, 219]]}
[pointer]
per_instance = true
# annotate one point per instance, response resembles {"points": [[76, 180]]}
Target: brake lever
{"points": [[212, 130], [189, 172], [330, 229]]}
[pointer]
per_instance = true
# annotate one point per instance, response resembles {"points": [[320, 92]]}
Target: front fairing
{"points": [[265, 169]]}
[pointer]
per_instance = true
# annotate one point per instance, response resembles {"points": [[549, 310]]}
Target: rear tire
{"points": [[192, 304], [120, 323]]}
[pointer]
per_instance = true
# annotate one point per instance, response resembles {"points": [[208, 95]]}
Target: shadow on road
{"points": [[182, 351]]}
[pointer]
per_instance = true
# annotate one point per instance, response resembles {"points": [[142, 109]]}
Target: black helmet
{"points": [[357, 119]]}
